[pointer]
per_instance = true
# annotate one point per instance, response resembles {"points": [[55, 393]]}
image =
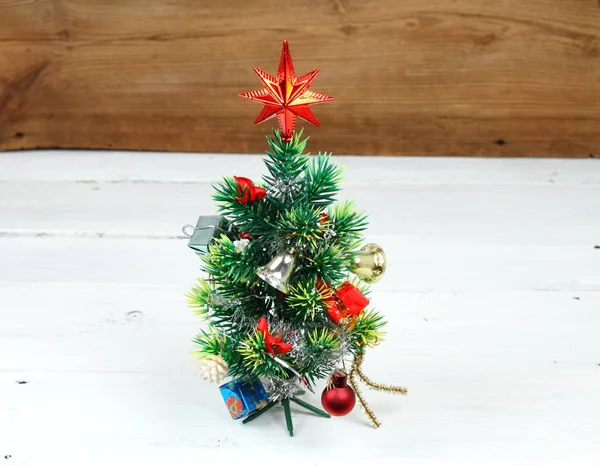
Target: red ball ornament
{"points": [[338, 399]]}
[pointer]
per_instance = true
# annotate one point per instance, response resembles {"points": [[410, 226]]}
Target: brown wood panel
{"points": [[443, 77]]}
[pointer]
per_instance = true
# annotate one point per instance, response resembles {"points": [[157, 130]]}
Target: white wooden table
{"points": [[492, 295]]}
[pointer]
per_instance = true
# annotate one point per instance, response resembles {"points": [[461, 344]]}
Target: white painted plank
{"points": [[415, 265], [493, 377], [123, 167], [492, 296], [520, 214]]}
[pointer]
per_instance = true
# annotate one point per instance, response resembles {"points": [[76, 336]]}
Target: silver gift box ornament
{"points": [[207, 228]]}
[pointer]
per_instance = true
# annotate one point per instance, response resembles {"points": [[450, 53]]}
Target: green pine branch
{"points": [[322, 346], [300, 224], [209, 343], [322, 181], [347, 222], [256, 360], [289, 218], [225, 263], [255, 218], [285, 160], [367, 330], [306, 303], [329, 262], [199, 298]]}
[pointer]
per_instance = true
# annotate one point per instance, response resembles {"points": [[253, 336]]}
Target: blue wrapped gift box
{"points": [[244, 397]]}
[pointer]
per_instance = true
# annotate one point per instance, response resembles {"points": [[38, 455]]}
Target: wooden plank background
{"points": [[443, 77]]}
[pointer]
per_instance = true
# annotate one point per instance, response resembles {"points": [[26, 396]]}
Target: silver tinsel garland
{"points": [[280, 389], [286, 189]]}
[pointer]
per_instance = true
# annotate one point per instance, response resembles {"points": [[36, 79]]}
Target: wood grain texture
{"points": [[445, 77]]}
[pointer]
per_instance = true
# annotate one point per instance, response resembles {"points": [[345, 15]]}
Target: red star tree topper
{"points": [[286, 96]]}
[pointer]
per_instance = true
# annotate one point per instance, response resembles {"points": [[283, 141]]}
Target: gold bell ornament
{"points": [[370, 263], [278, 271]]}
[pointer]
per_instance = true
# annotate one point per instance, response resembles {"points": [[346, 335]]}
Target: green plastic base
{"points": [[287, 411]]}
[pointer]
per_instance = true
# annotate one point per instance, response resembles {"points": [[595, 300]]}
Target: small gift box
{"points": [[352, 298], [244, 397], [207, 228]]}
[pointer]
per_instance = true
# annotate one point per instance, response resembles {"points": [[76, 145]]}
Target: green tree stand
{"points": [[288, 413]]}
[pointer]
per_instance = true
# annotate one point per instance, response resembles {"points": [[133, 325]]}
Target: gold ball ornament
{"points": [[370, 263]]}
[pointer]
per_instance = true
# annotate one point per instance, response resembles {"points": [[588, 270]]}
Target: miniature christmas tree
{"points": [[285, 294]]}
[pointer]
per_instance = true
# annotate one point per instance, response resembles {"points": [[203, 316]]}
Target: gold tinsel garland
{"points": [[357, 370]]}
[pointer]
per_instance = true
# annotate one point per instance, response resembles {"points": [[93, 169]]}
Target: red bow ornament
{"points": [[247, 192], [273, 343], [246, 235], [346, 301]]}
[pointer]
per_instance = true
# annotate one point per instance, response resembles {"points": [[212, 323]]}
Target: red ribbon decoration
{"points": [[273, 343], [346, 301], [247, 192]]}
